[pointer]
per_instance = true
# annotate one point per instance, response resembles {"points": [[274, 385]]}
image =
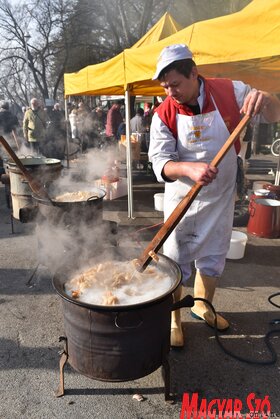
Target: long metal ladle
{"points": [[178, 213], [35, 186]]}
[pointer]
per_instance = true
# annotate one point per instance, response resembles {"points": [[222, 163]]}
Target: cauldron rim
{"points": [[58, 285], [33, 162]]}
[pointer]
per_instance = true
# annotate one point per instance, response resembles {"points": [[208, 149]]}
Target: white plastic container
{"points": [[158, 201], [259, 184], [114, 190], [237, 245], [261, 192]]}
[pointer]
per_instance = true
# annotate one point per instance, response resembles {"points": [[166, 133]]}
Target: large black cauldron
{"points": [[119, 343]]}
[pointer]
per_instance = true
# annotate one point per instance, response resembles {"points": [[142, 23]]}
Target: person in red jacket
{"points": [[187, 131], [114, 119]]}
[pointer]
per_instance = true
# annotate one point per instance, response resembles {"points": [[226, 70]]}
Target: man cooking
{"points": [[187, 131]]}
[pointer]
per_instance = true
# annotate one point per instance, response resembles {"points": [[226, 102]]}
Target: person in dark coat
{"points": [[8, 121], [8, 125], [55, 140]]}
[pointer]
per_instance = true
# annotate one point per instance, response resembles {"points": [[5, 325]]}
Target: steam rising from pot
{"points": [[66, 235]]}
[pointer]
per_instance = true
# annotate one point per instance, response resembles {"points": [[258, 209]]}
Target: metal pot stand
{"points": [[60, 391]]}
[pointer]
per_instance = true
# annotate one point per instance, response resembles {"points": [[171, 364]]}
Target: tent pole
{"points": [[128, 154], [277, 176], [67, 131]]}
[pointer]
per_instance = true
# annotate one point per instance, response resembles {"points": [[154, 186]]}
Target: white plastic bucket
{"points": [[259, 184], [158, 201], [237, 245], [261, 192]]}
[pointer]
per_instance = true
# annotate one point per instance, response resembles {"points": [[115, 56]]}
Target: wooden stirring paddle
{"points": [[186, 202], [35, 186]]}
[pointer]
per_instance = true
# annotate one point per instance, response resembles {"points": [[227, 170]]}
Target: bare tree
{"points": [[107, 27], [43, 20]]}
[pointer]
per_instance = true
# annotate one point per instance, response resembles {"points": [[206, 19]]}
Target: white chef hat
{"points": [[170, 54]]}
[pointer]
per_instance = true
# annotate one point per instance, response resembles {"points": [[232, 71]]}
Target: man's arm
{"points": [[164, 157], [109, 123], [258, 101], [199, 172], [25, 126]]}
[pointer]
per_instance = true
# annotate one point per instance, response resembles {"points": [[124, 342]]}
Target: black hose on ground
{"points": [[267, 337]]}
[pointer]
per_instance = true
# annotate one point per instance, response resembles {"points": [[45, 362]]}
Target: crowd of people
{"points": [[100, 128], [44, 130], [37, 128]]}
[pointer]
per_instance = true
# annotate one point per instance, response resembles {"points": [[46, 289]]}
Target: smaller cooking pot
{"points": [[119, 343], [72, 213]]}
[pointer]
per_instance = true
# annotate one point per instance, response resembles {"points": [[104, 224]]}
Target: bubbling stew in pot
{"points": [[118, 283], [78, 196]]}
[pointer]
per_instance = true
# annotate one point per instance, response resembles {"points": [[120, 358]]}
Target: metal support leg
{"points": [[64, 356], [166, 377], [11, 214]]}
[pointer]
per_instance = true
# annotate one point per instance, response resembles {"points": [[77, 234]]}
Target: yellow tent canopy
{"points": [[108, 78], [165, 27], [243, 46]]}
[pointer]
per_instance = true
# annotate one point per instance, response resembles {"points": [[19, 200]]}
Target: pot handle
{"points": [[187, 301], [252, 209], [138, 322], [91, 198]]}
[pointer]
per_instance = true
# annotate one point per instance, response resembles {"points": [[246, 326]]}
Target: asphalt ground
{"points": [[31, 322]]}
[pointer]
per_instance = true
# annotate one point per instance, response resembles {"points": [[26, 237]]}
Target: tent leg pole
{"points": [[67, 131], [128, 155]]}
